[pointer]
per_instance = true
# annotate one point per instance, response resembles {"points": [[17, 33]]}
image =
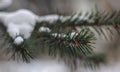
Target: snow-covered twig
{"points": [[22, 22]]}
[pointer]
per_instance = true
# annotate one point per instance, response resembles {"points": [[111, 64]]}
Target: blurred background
{"points": [[43, 7]]}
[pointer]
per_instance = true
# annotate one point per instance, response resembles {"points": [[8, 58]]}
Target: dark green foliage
{"points": [[67, 46], [18, 51], [21, 52]]}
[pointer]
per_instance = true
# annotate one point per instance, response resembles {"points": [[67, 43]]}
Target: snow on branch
{"points": [[18, 23], [22, 22], [53, 18]]}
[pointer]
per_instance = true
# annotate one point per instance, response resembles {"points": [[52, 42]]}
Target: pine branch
{"points": [[68, 46], [94, 20], [61, 41]]}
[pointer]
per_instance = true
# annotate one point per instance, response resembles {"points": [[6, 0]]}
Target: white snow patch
{"points": [[23, 29], [20, 16], [20, 22], [53, 18], [59, 35], [5, 3], [64, 18], [18, 40], [34, 66], [44, 29], [13, 30], [49, 18]]}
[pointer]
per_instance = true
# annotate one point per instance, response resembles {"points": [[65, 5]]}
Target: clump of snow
{"points": [[5, 3], [44, 29], [20, 16], [49, 18], [13, 30], [20, 22], [18, 40], [23, 29]]}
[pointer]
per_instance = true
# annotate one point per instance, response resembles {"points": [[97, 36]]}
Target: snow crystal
{"points": [[5, 3], [18, 40], [44, 29]]}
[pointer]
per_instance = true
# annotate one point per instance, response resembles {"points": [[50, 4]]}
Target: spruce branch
{"points": [[88, 19], [75, 46], [95, 20], [68, 46], [60, 40]]}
